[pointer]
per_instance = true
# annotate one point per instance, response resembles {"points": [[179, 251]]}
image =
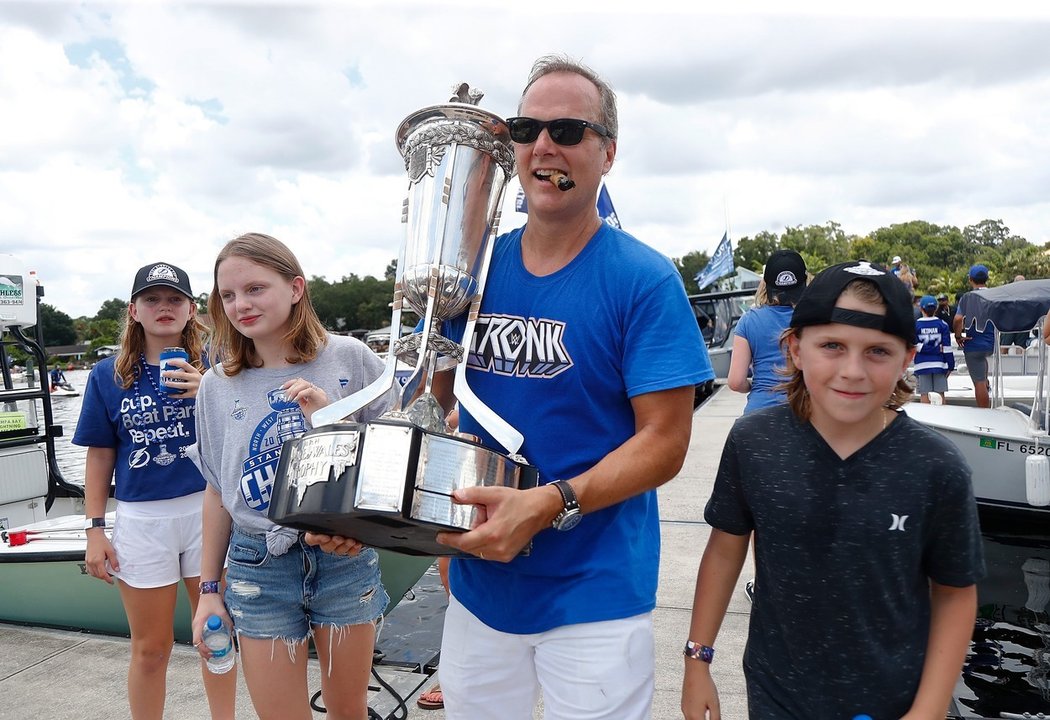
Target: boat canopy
{"points": [[1015, 307]]}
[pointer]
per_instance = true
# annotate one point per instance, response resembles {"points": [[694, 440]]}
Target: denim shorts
{"points": [[281, 596]]}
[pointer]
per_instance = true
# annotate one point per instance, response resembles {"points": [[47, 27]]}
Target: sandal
{"points": [[432, 699]]}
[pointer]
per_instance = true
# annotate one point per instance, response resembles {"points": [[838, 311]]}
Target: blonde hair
{"points": [[306, 334], [761, 298], [127, 367], [795, 386]]}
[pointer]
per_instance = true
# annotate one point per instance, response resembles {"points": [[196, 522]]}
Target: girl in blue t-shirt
{"points": [[136, 423], [756, 346]]}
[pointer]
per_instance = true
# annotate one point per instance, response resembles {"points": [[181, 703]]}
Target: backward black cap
{"points": [[817, 304]]}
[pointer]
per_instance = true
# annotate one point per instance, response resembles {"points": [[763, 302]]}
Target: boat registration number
{"points": [[1011, 446]]}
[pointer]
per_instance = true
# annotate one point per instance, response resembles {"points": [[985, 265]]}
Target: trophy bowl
{"points": [[387, 484]]}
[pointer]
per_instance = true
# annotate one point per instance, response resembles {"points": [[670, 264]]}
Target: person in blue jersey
{"points": [[867, 565], [757, 356], [977, 343], [606, 411], [136, 433], [934, 359]]}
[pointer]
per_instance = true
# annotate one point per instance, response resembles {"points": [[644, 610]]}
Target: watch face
{"points": [[568, 520]]}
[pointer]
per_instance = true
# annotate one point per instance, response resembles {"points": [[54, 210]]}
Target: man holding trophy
{"points": [[572, 353], [585, 343]]}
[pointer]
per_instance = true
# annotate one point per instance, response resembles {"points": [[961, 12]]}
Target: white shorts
{"points": [[598, 671], [158, 542]]}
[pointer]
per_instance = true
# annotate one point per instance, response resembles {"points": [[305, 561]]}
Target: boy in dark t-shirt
{"points": [[867, 565]]}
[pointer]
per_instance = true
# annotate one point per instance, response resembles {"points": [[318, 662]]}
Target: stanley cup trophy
{"points": [[388, 483]]}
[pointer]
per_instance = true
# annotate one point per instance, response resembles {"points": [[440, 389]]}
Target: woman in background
{"points": [[756, 347]]}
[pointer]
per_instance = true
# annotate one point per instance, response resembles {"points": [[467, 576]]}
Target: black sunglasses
{"points": [[563, 131]]}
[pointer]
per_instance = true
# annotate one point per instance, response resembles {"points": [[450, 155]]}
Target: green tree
{"points": [[391, 270], [819, 245], [56, 326], [752, 253], [99, 332], [112, 310], [990, 233]]}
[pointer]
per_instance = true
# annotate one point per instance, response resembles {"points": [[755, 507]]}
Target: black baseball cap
{"points": [[785, 276], [817, 304], [164, 275]]}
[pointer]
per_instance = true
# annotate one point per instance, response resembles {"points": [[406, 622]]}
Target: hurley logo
{"points": [[898, 522]]}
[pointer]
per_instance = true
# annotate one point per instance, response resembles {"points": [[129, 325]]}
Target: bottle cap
{"points": [[215, 622]]}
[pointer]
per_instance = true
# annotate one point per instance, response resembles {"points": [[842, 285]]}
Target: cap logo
{"points": [[785, 278], [863, 268], [162, 272]]}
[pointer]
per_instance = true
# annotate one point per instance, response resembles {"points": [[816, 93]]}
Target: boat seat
{"points": [[24, 473]]}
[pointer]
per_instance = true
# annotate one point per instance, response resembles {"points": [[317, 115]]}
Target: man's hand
{"points": [[507, 520]]}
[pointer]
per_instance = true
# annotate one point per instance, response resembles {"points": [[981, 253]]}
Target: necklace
{"points": [[164, 397], [141, 457]]}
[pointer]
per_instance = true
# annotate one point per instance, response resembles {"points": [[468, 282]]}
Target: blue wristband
{"points": [[211, 586], [696, 651]]}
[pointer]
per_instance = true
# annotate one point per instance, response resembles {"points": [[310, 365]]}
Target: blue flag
{"points": [[605, 207], [721, 264]]}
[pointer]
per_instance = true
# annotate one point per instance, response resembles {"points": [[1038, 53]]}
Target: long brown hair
{"points": [[305, 333], [795, 386], [133, 344]]}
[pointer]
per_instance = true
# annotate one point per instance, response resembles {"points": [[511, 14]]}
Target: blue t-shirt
{"points": [[977, 341], [934, 352], [150, 433], [761, 327], [560, 357]]}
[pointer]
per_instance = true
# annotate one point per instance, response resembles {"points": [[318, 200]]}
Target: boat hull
{"points": [[46, 584], [995, 443]]}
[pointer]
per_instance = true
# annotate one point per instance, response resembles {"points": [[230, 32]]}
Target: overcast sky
{"points": [[131, 133]]}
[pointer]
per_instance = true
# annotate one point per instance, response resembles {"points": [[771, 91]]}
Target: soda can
{"points": [[166, 354]]}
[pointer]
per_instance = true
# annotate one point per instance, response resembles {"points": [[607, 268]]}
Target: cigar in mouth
{"points": [[562, 181]]}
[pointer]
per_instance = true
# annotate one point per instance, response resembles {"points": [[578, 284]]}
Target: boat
{"points": [[42, 567], [717, 314], [1007, 444], [64, 389]]}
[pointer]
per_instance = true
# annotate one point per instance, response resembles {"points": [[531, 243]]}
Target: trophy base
{"points": [[386, 483]]}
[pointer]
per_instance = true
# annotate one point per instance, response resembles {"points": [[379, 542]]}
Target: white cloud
{"points": [[137, 132]]}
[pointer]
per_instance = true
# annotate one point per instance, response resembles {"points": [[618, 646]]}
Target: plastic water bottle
{"points": [[216, 637]]}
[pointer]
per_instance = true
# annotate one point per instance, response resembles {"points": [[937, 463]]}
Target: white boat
{"points": [[42, 516], [717, 313], [1007, 444]]}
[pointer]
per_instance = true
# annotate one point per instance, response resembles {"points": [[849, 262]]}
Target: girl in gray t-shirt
{"points": [[277, 366]]}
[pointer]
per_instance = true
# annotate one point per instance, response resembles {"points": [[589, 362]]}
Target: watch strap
{"points": [[568, 496], [96, 522], [696, 651], [209, 587]]}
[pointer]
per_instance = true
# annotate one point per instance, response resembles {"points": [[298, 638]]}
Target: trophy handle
{"points": [[501, 431]]}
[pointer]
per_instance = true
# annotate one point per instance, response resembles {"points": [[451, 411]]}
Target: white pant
{"points": [[590, 671]]}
